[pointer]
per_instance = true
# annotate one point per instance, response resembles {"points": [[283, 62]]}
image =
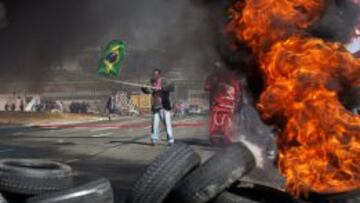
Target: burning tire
{"points": [[32, 176], [163, 173], [86, 189], [344, 197], [219, 172]]}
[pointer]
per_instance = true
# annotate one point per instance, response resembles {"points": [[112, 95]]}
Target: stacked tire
{"points": [[40, 181], [163, 174], [176, 176]]}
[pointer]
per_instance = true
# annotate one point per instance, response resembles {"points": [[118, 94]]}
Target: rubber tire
{"points": [[33, 176], [254, 192], [87, 189], [350, 200], [163, 174], [218, 173], [342, 197], [2, 199], [228, 197]]}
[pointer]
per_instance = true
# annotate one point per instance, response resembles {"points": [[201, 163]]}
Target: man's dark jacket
{"points": [[167, 87]]}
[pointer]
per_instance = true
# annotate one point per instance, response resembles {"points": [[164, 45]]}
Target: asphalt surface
{"points": [[120, 150]]}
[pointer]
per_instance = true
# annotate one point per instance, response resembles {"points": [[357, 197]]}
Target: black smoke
{"points": [[337, 21], [42, 34], [3, 18]]}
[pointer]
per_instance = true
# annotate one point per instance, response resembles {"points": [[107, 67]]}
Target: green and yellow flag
{"points": [[111, 59]]}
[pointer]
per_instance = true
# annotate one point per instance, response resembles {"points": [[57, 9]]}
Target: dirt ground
{"points": [[34, 118]]}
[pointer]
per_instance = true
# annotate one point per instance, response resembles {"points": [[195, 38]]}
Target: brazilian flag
{"points": [[111, 59]]}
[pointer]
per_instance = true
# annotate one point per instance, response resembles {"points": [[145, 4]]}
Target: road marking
{"points": [[101, 129], [18, 134], [6, 150], [102, 135]]}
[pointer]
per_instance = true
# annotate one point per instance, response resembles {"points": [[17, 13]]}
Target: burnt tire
{"points": [[163, 174], [2, 199], [341, 197], [249, 192], [213, 177], [228, 197], [349, 200], [33, 176], [86, 189]]}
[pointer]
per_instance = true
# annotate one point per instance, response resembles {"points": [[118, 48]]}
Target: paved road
{"points": [[117, 150]]}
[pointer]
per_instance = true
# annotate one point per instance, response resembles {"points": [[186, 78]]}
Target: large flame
{"points": [[319, 146], [260, 23]]}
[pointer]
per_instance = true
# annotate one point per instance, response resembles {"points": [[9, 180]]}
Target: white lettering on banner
{"points": [[219, 119]]}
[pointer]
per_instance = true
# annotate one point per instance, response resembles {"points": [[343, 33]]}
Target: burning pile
{"points": [[319, 146]]}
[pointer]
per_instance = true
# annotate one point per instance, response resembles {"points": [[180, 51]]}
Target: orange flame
{"points": [[319, 147], [260, 23]]}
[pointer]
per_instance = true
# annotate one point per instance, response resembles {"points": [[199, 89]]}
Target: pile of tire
{"points": [[43, 181], [176, 176]]}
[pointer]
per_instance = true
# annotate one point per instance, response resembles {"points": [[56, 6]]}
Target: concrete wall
{"points": [[15, 99]]}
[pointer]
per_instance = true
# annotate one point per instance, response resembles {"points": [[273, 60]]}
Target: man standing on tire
{"points": [[160, 106]]}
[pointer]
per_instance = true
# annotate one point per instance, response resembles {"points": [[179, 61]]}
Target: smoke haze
{"points": [[42, 33]]}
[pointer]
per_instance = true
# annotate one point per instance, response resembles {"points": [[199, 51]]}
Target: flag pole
{"points": [[129, 83], [133, 84]]}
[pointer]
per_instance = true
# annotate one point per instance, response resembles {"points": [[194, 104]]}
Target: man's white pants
{"points": [[165, 116]]}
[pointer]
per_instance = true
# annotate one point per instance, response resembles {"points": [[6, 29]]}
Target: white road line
{"points": [[185, 120], [73, 129], [19, 134], [102, 135], [100, 129], [6, 150]]}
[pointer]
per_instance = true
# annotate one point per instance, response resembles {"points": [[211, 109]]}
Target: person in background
{"points": [[177, 109], [22, 106], [60, 106], [13, 107], [110, 106], [17, 103], [182, 109], [160, 106]]}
